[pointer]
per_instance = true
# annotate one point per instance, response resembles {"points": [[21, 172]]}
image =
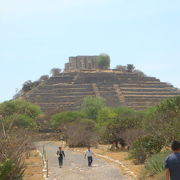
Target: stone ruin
{"points": [[81, 63]]}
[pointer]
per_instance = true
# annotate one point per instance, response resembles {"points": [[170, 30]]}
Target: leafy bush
{"points": [[106, 115], [19, 107], [130, 67], [5, 168], [146, 146], [91, 105], [10, 171], [55, 72], [60, 119], [103, 61], [24, 121], [81, 133], [120, 121], [163, 119], [29, 85], [19, 113], [154, 166], [155, 163], [13, 150]]}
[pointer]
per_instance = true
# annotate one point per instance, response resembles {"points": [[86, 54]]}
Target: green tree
{"points": [[163, 119], [91, 105], [28, 85], [126, 119], [55, 72], [19, 113], [61, 119], [44, 78], [145, 146], [106, 115], [130, 67], [103, 61], [121, 68]]}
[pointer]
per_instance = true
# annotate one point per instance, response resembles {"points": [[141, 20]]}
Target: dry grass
{"points": [[33, 167]]}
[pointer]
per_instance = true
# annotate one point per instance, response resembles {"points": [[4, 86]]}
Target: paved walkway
{"points": [[75, 166]]}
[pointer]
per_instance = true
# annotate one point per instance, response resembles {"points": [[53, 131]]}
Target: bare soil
{"points": [[33, 167]]}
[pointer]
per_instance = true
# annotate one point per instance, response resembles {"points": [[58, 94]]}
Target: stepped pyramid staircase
{"points": [[67, 91]]}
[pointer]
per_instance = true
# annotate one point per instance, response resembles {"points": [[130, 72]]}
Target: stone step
{"points": [[61, 93], [126, 93], [148, 89]]}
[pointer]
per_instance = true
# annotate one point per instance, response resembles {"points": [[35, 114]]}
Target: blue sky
{"points": [[37, 35]]}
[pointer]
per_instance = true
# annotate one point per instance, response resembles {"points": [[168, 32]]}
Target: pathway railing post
{"points": [[47, 169]]}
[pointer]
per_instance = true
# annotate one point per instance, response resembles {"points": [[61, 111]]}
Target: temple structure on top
{"points": [[81, 63], [81, 78]]}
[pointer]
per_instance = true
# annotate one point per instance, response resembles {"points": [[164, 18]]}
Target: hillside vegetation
{"points": [[146, 135], [18, 120]]}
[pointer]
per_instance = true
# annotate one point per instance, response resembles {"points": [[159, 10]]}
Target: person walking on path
{"points": [[89, 154], [172, 163], [61, 156]]}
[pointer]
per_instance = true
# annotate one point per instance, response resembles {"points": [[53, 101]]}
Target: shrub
{"points": [[81, 133], [13, 150], [119, 122], [5, 168], [130, 67], [11, 171], [154, 165], [146, 146], [19, 107], [60, 119], [91, 105], [25, 121], [55, 72], [163, 119], [103, 61], [29, 85]]}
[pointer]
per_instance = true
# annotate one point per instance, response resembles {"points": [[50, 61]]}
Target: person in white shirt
{"points": [[89, 154]]}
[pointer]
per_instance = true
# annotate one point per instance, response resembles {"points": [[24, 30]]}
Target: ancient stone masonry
{"points": [[81, 63], [67, 91]]}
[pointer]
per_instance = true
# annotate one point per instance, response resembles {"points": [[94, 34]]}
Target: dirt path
{"points": [[75, 166]]}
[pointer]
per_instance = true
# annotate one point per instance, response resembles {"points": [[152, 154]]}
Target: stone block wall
{"points": [[66, 92], [81, 63]]}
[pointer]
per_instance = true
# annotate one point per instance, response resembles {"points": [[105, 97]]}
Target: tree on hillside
{"points": [[75, 128], [19, 113], [44, 78], [126, 120], [91, 105], [28, 85], [130, 67], [103, 61], [60, 120], [106, 115], [121, 68], [55, 71], [163, 119], [139, 73]]}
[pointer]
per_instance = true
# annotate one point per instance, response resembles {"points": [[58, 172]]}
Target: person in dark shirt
{"points": [[172, 163], [61, 155]]}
